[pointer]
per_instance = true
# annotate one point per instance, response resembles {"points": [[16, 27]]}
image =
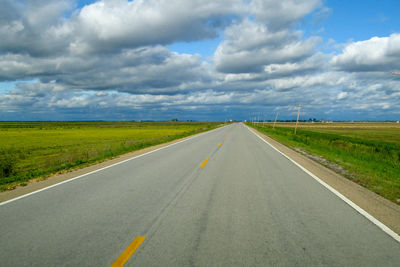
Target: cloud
{"points": [[41, 27], [279, 15], [29, 27], [150, 69], [321, 15], [109, 60], [376, 54], [250, 46], [45, 27], [106, 25], [313, 64], [342, 95]]}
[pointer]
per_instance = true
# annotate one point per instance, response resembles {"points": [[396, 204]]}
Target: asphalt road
{"points": [[248, 206]]}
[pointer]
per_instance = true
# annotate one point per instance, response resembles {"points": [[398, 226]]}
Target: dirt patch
{"points": [[382, 209]]}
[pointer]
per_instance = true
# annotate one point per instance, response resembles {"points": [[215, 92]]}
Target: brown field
{"points": [[383, 131]]}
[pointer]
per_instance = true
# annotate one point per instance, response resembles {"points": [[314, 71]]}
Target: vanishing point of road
{"points": [[222, 198]]}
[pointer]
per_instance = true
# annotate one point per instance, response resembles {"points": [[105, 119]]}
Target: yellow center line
{"points": [[219, 145], [204, 162], [124, 257]]}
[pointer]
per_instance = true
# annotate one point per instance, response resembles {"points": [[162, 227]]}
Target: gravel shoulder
{"points": [[382, 209]]}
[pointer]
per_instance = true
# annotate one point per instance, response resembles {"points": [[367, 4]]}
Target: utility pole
{"points": [[264, 121], [276, 117], [297, 121]]}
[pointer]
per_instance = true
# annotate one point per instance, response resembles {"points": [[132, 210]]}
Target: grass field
{"points": [[37, 149], [369, 153]]}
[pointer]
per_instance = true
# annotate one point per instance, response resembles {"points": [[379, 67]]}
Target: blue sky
{"points": [[205, 48], [361, 20], [199, 59]]}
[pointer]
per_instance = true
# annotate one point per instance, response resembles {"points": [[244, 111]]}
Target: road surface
{"points": [[247, 205]]}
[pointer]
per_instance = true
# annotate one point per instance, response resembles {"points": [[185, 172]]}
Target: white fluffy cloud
{"points": [[106, 25], [250, 46], [110, 58], [40, 27], [375, 54], [149, 69], [282, 14]]}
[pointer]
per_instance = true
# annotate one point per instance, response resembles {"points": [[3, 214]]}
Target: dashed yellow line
{"points": [[128, 252], [219, 145], [204, 162]]}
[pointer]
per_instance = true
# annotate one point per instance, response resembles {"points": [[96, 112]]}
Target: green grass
{"points": [[37, 149], [370, 155]]}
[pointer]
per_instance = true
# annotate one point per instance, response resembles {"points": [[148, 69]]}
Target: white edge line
{"points": [[112, 165], [386, 229]]}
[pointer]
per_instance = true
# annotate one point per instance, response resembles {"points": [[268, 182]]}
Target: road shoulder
{"points": [[382, 209]]}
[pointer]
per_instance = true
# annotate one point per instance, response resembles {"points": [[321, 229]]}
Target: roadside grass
{"points": [[370, 155], [30, 150]]}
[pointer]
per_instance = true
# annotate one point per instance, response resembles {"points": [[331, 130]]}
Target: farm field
{"points": [[367, 153], [37, 149]]}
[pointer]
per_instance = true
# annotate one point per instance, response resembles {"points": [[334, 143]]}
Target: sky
{"points": [[199, 59]]}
